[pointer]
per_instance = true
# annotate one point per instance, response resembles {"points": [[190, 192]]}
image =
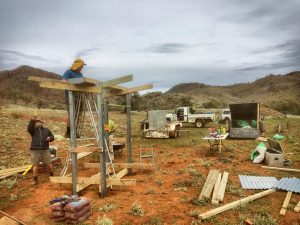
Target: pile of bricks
{"points": [[72, 213]]}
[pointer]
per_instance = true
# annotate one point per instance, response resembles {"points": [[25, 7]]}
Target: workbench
{"points": [[216, 143]]}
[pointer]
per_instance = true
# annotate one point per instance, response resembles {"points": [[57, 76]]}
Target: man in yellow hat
{"points": [[73, 72]]}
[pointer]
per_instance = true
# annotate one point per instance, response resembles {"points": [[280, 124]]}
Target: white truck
{"points": [[185, 115], [158, 125], [225, 116]]}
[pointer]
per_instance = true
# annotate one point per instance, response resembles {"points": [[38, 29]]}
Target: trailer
{"points": [[157, 125], [245, 120]]}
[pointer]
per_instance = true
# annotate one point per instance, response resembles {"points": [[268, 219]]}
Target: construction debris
{"points": [[234, 204], [285, 203], [257, 182], [288, 184]]}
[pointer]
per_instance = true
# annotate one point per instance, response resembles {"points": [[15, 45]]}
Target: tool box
{"points": [[274, 154]]}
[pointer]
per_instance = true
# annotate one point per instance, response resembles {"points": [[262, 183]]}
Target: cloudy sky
{"points": [[164, 42]]}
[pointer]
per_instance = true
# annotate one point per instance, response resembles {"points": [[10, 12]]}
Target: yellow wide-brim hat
{"points": [[77, 64]]}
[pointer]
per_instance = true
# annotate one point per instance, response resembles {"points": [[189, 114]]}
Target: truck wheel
{"points": [[199, 123]]}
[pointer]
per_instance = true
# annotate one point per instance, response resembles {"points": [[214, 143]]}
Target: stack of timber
{"points": [[12, 171], [215, 184]]}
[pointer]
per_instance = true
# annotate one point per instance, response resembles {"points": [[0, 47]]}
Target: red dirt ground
{"points": [[158, 192]]}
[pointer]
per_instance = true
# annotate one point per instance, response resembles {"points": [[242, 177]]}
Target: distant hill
{"points": [[279, 92], [15, 88]]}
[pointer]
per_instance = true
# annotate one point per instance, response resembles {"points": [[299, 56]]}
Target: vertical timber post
{"points": [[128, 111], [73, 142], [100, 102]]}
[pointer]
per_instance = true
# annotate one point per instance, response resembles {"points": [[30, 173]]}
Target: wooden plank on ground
{"points": [[71, 87], [13, 218], [83, 154], [234, 204], [142, 166], [214, 200], [222, 188], [13, 169], [209, 184], [285, 203], [94, 180], [86, 149], [281, 168], [121, 174], [80, 187], [297, 208]]}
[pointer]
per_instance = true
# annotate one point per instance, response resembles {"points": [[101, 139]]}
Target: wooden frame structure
{"points": [[102, 90]]}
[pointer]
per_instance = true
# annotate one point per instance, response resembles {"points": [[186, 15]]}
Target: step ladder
{"points": [[147, 152], [86, 121]]}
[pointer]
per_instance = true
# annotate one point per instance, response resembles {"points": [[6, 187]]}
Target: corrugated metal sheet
{"points": [[157, 119], [257, 182], [288, 184]]}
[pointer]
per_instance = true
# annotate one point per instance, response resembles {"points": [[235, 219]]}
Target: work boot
{"points": [[35, 182]]}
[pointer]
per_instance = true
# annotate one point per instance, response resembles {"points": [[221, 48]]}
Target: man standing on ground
{"points": [[41, 136], [73, 72]]}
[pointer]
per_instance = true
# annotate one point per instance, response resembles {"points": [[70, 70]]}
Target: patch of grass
{"points": [[150, 192], [108, 207], [206, 163], [16, 115], [155, 221], [194, 213], [201, 202], [184, 189], [235, 190], [136, 210], [183, 183], [184, 199], [8, 183], [104, 221], [13, 197], [259, 218]]}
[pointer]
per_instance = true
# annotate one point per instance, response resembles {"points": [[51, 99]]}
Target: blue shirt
{"points": [[69, 74]]}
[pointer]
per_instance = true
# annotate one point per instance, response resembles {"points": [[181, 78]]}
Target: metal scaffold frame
{"points": [[102, 90]]}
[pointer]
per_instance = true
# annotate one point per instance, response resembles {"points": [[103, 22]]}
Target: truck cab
{"points": [[186, 115]]}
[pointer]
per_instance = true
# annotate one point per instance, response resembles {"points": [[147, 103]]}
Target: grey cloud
{"points": [[289, 58], [167, 48], [85, 52], [9, 54]]}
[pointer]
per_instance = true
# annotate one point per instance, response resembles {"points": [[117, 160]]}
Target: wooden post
{"points": [[128, 136], [234, 204], [73, 142], [101, 142], [285, 203]]}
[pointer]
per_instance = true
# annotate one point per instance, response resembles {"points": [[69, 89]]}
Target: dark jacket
{"points": [[39, 136]]}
